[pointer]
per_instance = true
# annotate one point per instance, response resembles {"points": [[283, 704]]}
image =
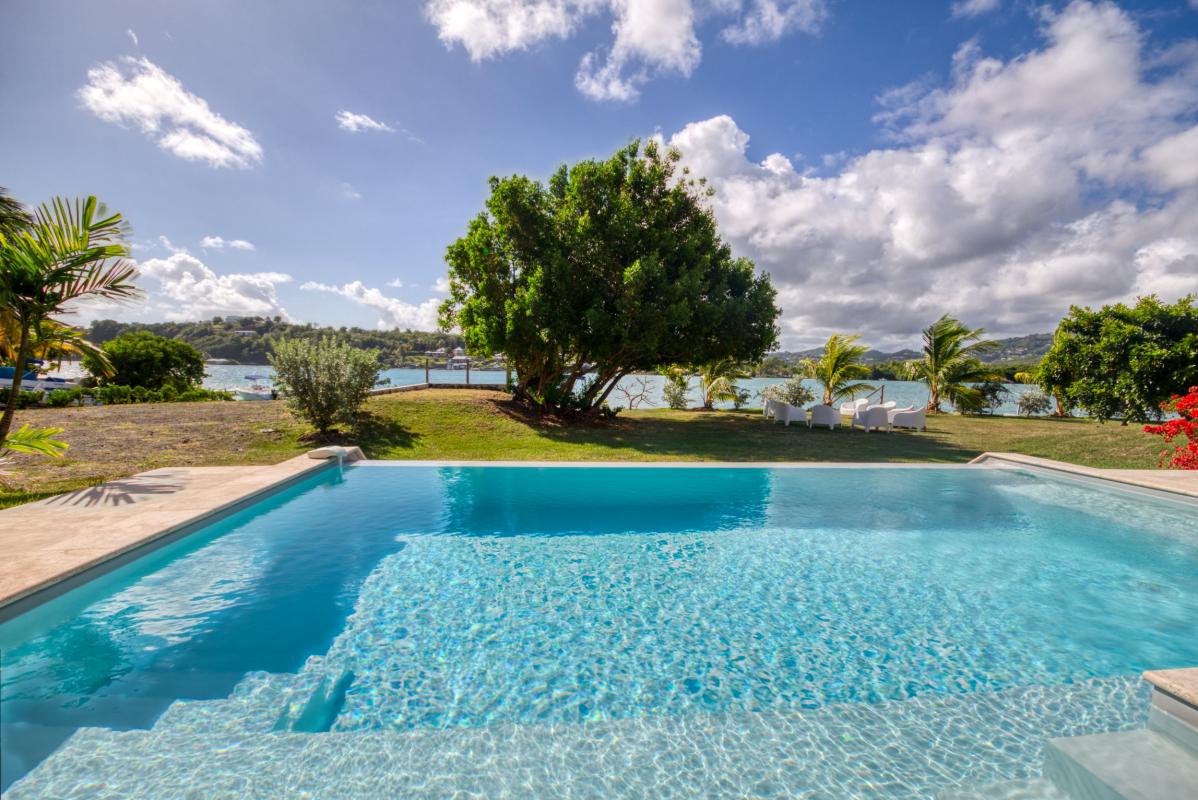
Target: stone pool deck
{"points": [[1183, 482], [55, 539]]}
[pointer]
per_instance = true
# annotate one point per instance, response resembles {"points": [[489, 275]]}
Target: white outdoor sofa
{"points": [[824, 415], [909, 418], [786, 413]]}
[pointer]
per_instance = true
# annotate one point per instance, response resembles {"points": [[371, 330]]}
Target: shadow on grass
{"points": [[376, 434], [742, 436]]}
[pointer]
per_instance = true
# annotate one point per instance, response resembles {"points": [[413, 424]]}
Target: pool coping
{"points": [[105, 533], [51, 546], [1170, 481]]}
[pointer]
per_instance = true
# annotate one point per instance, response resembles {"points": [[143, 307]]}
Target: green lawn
{"points": [[110, 442]]}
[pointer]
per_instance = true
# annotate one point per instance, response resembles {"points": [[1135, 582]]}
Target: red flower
{"points": [[1184, 455]]}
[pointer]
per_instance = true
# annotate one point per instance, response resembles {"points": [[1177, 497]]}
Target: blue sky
{"points": [[884, 161]]}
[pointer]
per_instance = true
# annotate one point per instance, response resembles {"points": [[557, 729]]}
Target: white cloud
{"points": [[974, 8], [217, 243], [132, 36], [139, 92], [393, 313], [349, 192], [395, 283], [441, 285], [770, 20], [651, 37], [1065, 175], [355, 123], [188, 289]]}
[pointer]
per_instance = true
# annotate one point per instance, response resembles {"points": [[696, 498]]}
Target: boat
{"points": [[257, 392], [30, 382]]}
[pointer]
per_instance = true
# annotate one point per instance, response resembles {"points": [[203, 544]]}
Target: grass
{"points": [[114, 441]]}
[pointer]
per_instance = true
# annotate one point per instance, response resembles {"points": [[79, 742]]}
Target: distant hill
{"points": [[247, 340], [1016, 350]]}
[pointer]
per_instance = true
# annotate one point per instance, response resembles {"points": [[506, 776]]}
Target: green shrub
{"points": [[1034, 402], [324, 383], [31, 397], [792, 392], [60, 398], [169, 394], [141, 359], [676, 388]]}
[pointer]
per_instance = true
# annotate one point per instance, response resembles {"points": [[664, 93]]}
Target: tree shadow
{"points": [[375, 434], [743, 436], [123, 491]]}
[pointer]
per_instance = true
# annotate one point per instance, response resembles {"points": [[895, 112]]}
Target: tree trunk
{"points": [[14, 393]]}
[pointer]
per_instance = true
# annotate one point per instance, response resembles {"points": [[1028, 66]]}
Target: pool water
{"points": [[557, 623]]}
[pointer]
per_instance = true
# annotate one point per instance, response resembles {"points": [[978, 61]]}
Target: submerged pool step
{"points": [[1129, 765], [261, 701], [1031, 789], [908, 750]]}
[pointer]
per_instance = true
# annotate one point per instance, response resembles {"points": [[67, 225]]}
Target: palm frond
{"points": [[36, 441]]}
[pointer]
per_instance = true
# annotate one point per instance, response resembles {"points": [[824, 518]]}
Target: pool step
{"points": [[260, 702], [910, 749], [1129, 765], [1031, 789]]}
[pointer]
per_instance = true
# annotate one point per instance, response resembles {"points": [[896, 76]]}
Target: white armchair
{"points": [[786, 413], [767, 408], [876, 417], [910, 419], [824, 415]]}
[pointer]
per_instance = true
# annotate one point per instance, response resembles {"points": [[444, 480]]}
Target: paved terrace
{"points": [[55, 539]]}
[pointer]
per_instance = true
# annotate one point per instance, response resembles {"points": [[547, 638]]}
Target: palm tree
{"points": [[950, 363], [717, 381], [64, 254], [13, 216], [838, 368], [52, 341]]}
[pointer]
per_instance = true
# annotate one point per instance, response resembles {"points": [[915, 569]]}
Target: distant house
{"points": [[459, 360], [245, 333]]}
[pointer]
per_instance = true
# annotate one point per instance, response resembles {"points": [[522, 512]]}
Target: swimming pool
{"points": [[396, 630]]}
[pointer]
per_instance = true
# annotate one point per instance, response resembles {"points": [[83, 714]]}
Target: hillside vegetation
{"points": [[248, 340]]}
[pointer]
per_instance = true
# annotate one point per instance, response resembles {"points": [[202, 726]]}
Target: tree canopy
{"points": [[1122, 362], [611, 267], [139, 358]]}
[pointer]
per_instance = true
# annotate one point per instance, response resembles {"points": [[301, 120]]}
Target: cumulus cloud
{"points": [[356, 123], [218, 243], [393, 313], [1064, 175], [973, 8], [187, 288], [650, 37], [137, 92]]}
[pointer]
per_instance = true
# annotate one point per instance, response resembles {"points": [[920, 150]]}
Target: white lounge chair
{"points": [[785, 412], [910, 419], [824, 415], [859, 416], [767, 408], [853, 406]]}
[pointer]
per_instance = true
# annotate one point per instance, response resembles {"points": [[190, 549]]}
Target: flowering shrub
{"points": [[1184, 456]]}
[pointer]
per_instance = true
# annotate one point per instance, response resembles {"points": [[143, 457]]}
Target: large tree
{"points": [[67, 252], [1122, 362], [614, 266]]}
